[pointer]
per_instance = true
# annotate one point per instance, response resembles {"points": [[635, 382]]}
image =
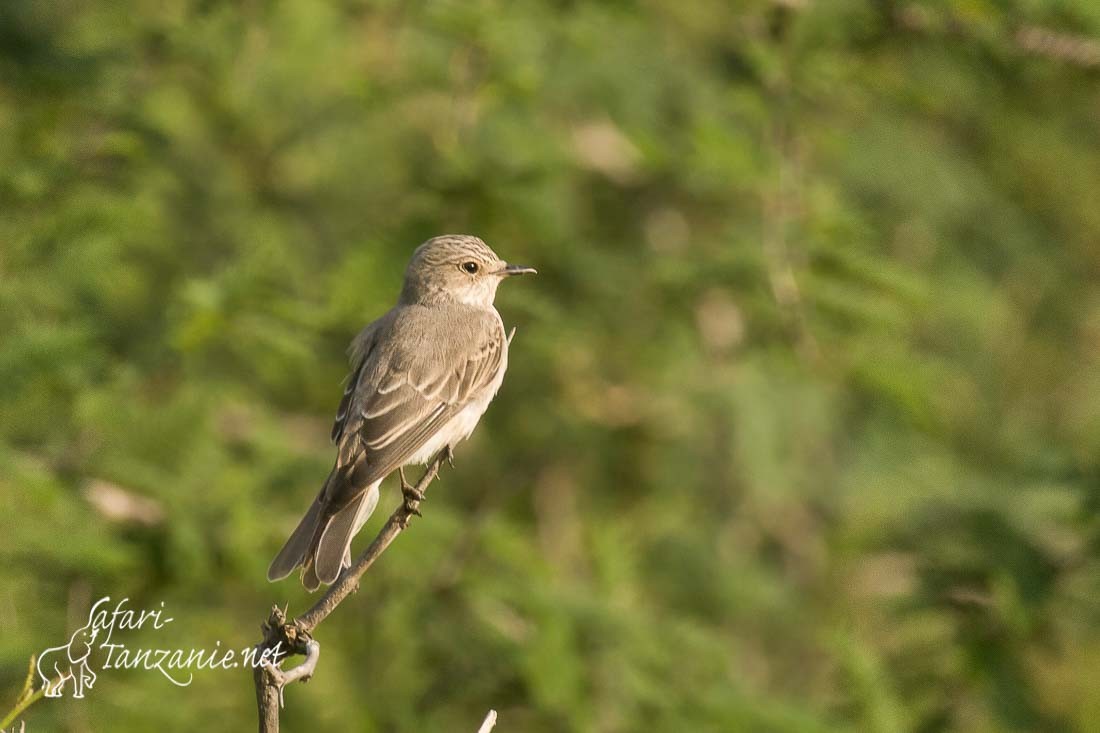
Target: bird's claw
{"points": [[413, 497]]}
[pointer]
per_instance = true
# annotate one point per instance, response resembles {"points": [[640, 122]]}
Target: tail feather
{"points": [[321, 543], [333, 551], [310, 581], [296, 549]]}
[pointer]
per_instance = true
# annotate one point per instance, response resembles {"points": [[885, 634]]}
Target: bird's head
{"points": [[456, 268]]}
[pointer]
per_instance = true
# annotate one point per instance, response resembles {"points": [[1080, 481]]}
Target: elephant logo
{"points": [[57, 665]]}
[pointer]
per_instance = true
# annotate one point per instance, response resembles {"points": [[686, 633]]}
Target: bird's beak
{"points": [[510, 270]]}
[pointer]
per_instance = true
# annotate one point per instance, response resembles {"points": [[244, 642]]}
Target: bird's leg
{"points": [[413, 496]]}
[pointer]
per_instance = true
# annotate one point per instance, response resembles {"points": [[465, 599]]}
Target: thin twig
{"points": [[489, 722], [301, 672], [27, 696], [296, 635]]}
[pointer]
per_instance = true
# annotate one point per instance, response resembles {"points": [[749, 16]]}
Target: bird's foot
{"points": [[449, 455], [410, 492], [412, 504], [413, 497]]}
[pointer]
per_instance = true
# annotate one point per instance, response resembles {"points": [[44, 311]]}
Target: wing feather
{"points": [[400, 398]]}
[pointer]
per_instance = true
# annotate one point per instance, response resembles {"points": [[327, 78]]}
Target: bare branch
{"points": [[296, 635]]}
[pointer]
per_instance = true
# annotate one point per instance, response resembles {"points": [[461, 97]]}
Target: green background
{"points": [[801, 430]]}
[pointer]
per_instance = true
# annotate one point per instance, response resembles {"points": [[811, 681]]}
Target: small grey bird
{"points": [[422, 376]]}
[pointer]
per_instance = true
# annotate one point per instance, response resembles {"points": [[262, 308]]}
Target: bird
{"points": [[422, 375]]}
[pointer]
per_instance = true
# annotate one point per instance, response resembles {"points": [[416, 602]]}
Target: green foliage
{"points": [[801, 430]]}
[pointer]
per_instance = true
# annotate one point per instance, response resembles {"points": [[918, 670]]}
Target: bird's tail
{"points": [[297, 547], [321, 543]]}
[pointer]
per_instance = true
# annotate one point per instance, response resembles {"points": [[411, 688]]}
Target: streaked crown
{"points": [[454, 268], [449, 247]]}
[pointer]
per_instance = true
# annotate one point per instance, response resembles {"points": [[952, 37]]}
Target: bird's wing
{"points": [[360, 351], [404, 391]]}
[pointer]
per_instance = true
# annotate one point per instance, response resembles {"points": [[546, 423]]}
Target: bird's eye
{"points": [[470, 267]]}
